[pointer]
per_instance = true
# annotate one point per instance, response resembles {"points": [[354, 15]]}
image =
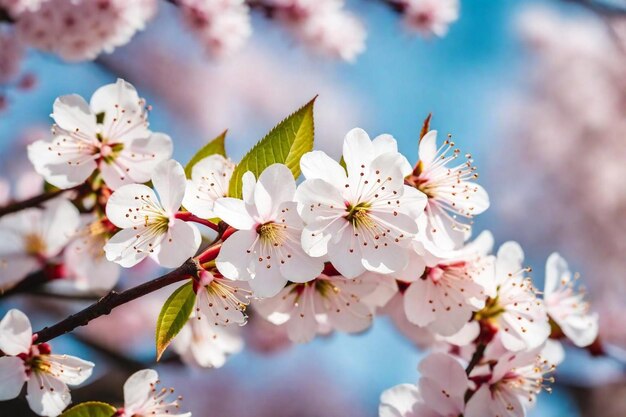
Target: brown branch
{"points": [[114, 299], [35, 201]]}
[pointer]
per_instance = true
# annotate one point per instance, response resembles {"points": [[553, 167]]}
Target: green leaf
{"points": [[90, 409], [216, 146], [174, 316], [285, 144]]}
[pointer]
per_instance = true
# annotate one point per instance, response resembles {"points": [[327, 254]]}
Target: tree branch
{"points": [[478, 355], [114, 299], [34, 201]]}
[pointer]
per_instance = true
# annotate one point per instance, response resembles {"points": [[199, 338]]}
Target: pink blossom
{"points": [[80, 30], [223, 26]]}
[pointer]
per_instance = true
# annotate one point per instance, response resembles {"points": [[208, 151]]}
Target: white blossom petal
{"points": [[15, 333]]}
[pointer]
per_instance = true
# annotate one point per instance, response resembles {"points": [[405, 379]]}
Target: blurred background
{"points": [[535, 90]]}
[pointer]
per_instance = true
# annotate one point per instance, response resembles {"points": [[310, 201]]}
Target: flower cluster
{"points": [[369, 234], [78, 30]]}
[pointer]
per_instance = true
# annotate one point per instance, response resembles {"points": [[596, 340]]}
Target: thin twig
{"points": [[114, 299], [34, 201]]}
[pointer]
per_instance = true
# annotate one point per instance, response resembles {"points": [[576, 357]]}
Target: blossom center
{"points": [[271, 232], [34, 245], [358, 215]]}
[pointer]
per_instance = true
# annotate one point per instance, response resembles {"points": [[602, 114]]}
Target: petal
{"points": [[267, 282], [302, 325], [417, 303], [557, 274], [300, 267], [56, 169], [73, 114], [274, 187], [169, 182], [13, 374], [386, 143], [122, 249], [509, 260], [357, 150], [248, 183], [319, 199], [124, 112], [46, 395], [16, 333], [87, 265], [179, 244], [70, 369], [59, 223], [441, 372], [233, 211], [349, 264], [399, 401], [138, 388], [234, 260], [142, 155], [125, 204], [121, 93], [317, 164], [428, 148]]}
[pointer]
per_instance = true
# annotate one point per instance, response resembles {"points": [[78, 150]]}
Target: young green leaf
{"points": [[211, 148], [174, 316], [285, 144], [90, 409]]}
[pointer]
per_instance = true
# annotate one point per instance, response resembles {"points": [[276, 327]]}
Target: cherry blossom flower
{"points": [[79, 30], [363, 220], [323, 25], [85, 262], [440, 393], [513, 385], [202, 344], [46, 375], [33, 236], [566, 306], [325, 304], [430, 17], [149, 224], [266, 249], [515, 309], [221, 301], [450, 290], [109, 134], [223, 26], [453, 199], [209, 181], [143, 399]]}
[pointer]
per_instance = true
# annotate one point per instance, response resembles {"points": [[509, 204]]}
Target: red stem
{"points": [[188, 217]]}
